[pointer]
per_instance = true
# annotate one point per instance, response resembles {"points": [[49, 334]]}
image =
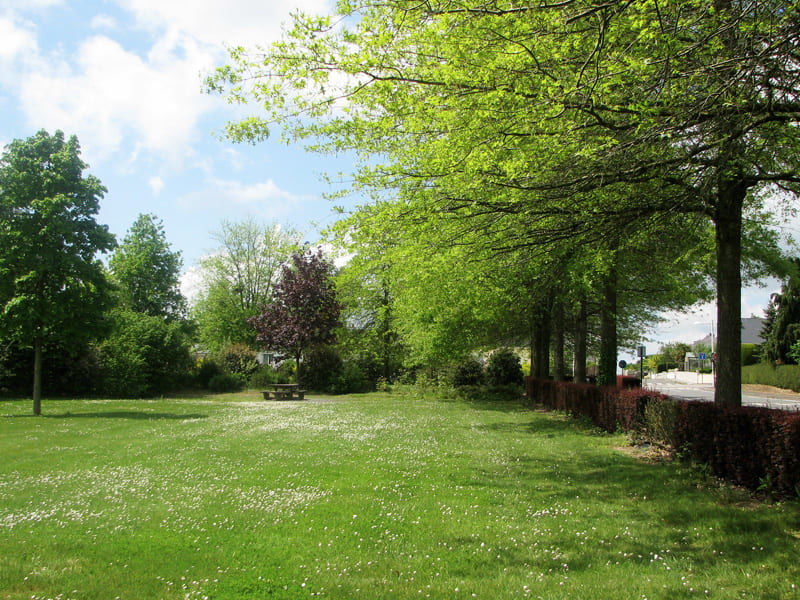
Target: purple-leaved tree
{"points": [[304, 310]]}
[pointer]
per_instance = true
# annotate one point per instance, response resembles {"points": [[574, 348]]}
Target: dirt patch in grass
{"points": [[770, 389], [650, 453]]}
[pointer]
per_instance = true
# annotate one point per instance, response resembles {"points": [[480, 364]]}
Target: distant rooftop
{"points": [[751, 332]]}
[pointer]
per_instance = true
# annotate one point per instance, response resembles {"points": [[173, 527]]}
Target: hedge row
{"points": [[782, 376], [758, 448]]}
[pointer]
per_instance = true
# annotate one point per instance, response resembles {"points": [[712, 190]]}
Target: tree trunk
{"points": [[540, 361], [581, 327], [558, 341], [607, 367], [37, 376], [728, 221], [299, 366], [386, 333]]}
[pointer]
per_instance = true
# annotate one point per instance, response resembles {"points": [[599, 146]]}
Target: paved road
{"points": [[752, 395]]}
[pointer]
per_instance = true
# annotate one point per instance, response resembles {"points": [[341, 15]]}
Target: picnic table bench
{"points": [[284, 391]]}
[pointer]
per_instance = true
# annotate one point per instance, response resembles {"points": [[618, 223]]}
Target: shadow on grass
{"points": [[118, 414], [667, 506], [506, 405]]}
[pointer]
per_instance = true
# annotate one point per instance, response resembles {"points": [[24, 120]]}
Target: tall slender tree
{"points": [[53, 286], [147, 271]]}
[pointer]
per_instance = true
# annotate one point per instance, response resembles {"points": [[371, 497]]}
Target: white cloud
{"points": [[16, 40], [236, 159], [104, 22], [191, 283], [30, 4], [264, 198], [111, 94], [245, 22], [126, 106], [156, 184]]}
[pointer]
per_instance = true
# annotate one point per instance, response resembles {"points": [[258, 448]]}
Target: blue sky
{"points": [[125, 77]]}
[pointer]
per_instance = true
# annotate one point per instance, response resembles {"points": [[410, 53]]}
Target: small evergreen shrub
{"points": [[321, 367], [226, 382], [468, 373], [749, 354], [206, 369], [504, 368], [350, 380]]}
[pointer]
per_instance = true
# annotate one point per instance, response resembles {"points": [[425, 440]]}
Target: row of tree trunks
{"points": [[581, 332], [559, 373], [541, 329], [548, 326], [607, 366]]}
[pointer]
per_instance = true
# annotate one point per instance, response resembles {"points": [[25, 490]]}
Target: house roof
{"points": [[751, 331]]}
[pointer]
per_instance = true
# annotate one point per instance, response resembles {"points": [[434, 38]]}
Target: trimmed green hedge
{"points": [[782, 376]]}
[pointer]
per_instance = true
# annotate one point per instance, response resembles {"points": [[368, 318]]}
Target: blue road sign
{"points": [[703, 356]]}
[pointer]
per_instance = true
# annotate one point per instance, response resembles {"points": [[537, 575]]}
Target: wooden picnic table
{"points": [[284, 391]]}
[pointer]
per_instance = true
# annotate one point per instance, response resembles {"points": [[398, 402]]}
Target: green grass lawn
{"points": [[377, 496]]}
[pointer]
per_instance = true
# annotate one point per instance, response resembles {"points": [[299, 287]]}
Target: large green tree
{"points": [[483, 110], [147, 271], [52, 287], [782, 327]]}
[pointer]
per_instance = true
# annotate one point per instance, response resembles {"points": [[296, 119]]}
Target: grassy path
{"points": [[363, 497]]}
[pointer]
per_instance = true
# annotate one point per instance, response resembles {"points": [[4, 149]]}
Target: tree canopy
{"points": [[304, 311], [52, 286], [548, 123], [238, 279], [782, 325], [147, 271]]}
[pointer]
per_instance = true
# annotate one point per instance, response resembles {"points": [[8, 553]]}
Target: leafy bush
{"points": [[263, 377], [124, 373], [468, 373], [794, 352], [143, 356], [749, 354], [226, 382], [238, 359], [350, 380], [491, 393], [67, 370], [504, 368], [660, 421], [321, 367], [206, 369], [743, 445], [286, 372]]}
